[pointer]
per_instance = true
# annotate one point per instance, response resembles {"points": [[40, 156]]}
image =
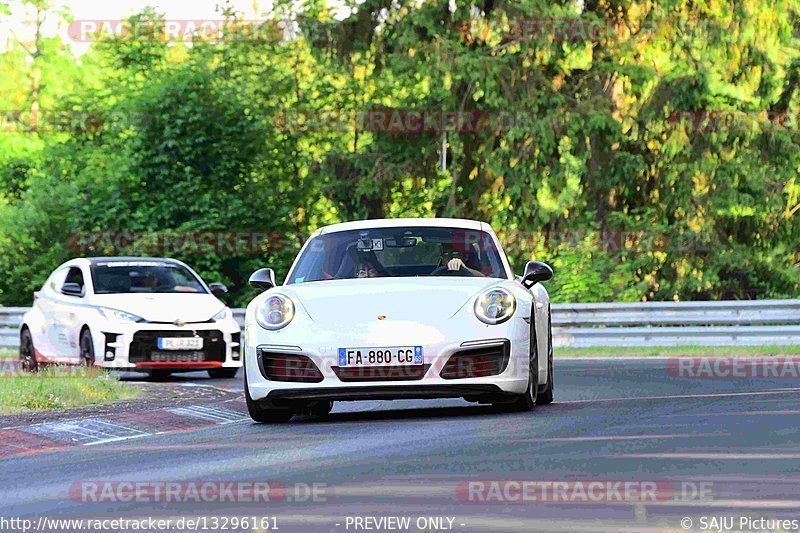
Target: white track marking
{"points": [[210, 414], [86, 431]]}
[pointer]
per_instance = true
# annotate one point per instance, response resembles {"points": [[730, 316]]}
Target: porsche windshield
{"points": [[115, 277], [398, 252]]}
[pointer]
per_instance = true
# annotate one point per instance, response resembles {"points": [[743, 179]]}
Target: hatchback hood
{"points": [[355, 301], [163, 307]]}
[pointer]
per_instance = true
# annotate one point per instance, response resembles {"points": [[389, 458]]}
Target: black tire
{"points": [[546, 395], [322, 408], [27, 353], [159, 374], [527, 401], [222, 373], [87, 348], [261, 413]]}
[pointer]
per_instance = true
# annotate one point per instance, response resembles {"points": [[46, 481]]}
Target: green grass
{"points": [[678, 351], [60, 388], [8, 353]]}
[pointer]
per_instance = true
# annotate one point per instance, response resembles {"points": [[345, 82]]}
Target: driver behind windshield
{"points": [[454, 258], [148, 281]]}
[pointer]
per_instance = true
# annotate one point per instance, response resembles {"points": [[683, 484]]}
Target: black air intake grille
{"points": [[477, 362], [145, 345], [298, 368]]}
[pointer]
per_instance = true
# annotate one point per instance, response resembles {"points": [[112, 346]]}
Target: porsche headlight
{"points": [[224, 314], [119, 316], [275, 312], [495, 306]]}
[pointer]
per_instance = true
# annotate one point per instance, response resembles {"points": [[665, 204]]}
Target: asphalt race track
{"points": [[712, 446]]}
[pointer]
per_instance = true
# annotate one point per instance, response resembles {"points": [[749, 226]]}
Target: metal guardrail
{"points": [[764, 322], [725, 323], [10, 319]]}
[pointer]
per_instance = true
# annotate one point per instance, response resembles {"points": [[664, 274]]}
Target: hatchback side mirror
{"points": [[217, 289], [536, 271], [72, 289], [263, 279]]}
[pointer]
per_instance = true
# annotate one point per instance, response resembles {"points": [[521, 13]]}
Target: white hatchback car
{"points": [[128, 313], [403, 308]]}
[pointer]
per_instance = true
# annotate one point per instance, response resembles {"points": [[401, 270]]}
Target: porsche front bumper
{"points": [[426, 382]]}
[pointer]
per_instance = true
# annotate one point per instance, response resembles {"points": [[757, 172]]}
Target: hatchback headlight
{"points": [[495, 306], [275, 311], [119, 316], [224, 314]]}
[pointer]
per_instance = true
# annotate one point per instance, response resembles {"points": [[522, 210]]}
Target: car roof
{"points": [[399, 222], [95, 260]]}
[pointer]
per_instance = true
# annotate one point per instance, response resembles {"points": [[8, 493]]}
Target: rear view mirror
{"points": [[536, 271], [217, 289], [72, 289], [263, 279]]}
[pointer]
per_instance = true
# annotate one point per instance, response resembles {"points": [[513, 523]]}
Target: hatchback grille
{"points": [[288, 367], [477, 362], [144, 347]]}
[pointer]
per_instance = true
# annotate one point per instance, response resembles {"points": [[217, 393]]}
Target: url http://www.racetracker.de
{"points": [[194, 523]]}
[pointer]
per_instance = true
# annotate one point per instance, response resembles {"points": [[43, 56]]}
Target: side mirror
{"points": [[217, 289], [536, 271], [263, 278], [72, 289]]}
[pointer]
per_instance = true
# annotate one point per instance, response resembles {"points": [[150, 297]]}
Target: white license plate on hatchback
{"points": [[180, 343], [389, 356]]}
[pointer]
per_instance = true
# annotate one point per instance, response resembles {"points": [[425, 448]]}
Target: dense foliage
{"points": [[645, 150]]}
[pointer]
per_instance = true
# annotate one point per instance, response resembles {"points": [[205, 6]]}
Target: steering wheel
{"points": [[444, 271]]}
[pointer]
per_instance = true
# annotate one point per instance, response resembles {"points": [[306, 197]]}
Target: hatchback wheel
{"points": [[27, 354], [87, 348]]}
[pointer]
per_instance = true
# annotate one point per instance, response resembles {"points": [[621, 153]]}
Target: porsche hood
{"points": [[354, 301]]}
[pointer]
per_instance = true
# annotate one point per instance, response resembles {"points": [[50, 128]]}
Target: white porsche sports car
{"points": [[128, 313], [403, 308]]}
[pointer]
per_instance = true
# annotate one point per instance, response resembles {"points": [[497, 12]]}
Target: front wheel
{"points": [[322, 408], [27, 354], [222, 373], [261, 413], [527, 400], [159, 374], [546, 396], [87, 348]]}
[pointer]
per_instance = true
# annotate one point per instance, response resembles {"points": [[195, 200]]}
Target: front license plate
{"points": [[180, 343], [391, 356]]}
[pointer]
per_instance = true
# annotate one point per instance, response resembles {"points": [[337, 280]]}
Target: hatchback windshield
{"points": [[114, 277], [398, 252]]}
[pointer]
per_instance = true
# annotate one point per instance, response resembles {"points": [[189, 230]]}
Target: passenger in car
{"points": [[368, 270]]}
